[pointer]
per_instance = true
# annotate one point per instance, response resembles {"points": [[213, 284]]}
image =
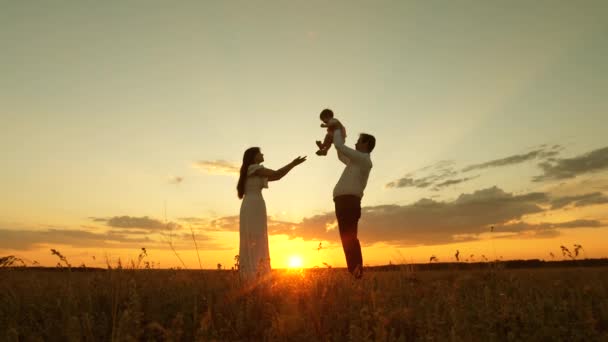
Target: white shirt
{"points": [[355, 174]]}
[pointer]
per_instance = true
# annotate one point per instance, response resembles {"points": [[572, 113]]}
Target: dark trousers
{"points": [[348, 212]]}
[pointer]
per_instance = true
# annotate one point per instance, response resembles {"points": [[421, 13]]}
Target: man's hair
{"points": [[369, 139], [326, 113]]}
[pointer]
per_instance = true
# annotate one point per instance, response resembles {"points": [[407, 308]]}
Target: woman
{"points": [[254, 257]]}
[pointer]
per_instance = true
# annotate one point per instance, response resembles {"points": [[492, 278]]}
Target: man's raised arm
{"points": [[345, 151], [341, 155]]}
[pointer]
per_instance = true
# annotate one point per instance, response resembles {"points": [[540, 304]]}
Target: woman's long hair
{"points": [[248, 158]]}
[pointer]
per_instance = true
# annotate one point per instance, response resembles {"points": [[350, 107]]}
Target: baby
{"points": [[327, 116]]}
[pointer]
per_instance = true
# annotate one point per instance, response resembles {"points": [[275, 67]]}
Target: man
{"points": [[348, 193]]}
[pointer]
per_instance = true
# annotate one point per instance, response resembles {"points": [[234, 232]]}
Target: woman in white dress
{"points": [[254, 256]]}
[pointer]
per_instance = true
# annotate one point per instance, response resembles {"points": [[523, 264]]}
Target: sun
{"points": [[295, 261]]}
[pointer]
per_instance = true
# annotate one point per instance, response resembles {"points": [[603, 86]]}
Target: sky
{"points": [[124, 125]]}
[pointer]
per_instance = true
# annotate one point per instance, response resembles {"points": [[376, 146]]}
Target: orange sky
{"points": [[123, 125]]}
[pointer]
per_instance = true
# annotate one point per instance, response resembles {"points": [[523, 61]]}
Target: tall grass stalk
{"points": [[196, 246]]}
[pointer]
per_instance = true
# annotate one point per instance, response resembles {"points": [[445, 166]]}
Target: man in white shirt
{"points": [[348, 193]]}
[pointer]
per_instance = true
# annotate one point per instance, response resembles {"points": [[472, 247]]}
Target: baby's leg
{"points": [[329, 139], [325, 145]]}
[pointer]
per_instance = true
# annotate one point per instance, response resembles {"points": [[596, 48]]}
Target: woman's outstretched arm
{"points": [[273, 175]]}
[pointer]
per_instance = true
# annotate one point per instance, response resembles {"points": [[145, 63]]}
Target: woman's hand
{"points": [[278, 174], [298, 161]]}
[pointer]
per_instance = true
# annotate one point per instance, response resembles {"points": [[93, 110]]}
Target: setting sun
{"points": [[295, 261]]}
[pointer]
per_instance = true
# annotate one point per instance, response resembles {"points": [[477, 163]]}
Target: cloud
{"points": [[441, 174], [231, 224], [195, 220], [542, 153], [281, 227], [579, 200], [542, 230], [127, 231], [183, 241], [26, 239], [519, 227], [175, 179], [579, 224], [450, 182], [136, 222], [431, 222], [428, 222], [428, 181], [594, 161], [425, 222], [439, 171], [227, 223], [537, 234], [409, 182], [217, 167]]}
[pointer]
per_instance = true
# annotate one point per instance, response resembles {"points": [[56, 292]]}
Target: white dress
{"points": [[254, 256]]}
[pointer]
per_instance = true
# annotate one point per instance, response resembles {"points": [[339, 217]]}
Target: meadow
{"points": [[488, 303]]}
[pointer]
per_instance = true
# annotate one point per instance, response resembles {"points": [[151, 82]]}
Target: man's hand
{"points": [[324, 125]]}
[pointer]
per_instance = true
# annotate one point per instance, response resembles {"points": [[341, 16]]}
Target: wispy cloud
{"points": [[564, 168], [450, 182], [542, 230], [175, 179], [406, 182], [143, 222], [193, 220], [231, 224], [217, 167], [438, 172], [227, 223], [579, 200], [542, 153], [26, 239], [523, 226], [443, 174], [83, 238]]}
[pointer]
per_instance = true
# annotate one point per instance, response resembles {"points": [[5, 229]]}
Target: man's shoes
{"points": [[321, 152]]}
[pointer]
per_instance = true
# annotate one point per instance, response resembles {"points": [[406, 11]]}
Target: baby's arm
{"points": [[332, 124]]}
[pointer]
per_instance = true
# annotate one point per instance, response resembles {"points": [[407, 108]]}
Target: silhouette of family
{"points": [[254, 255]]}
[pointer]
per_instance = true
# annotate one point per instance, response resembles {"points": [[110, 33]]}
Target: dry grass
{"points": [[323, 304]]}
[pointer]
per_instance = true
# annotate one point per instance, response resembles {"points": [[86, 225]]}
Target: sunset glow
{"points": [[295, 261], [124, 126]]}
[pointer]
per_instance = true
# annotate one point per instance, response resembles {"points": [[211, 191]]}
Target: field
{"points": [[486, 304]]}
